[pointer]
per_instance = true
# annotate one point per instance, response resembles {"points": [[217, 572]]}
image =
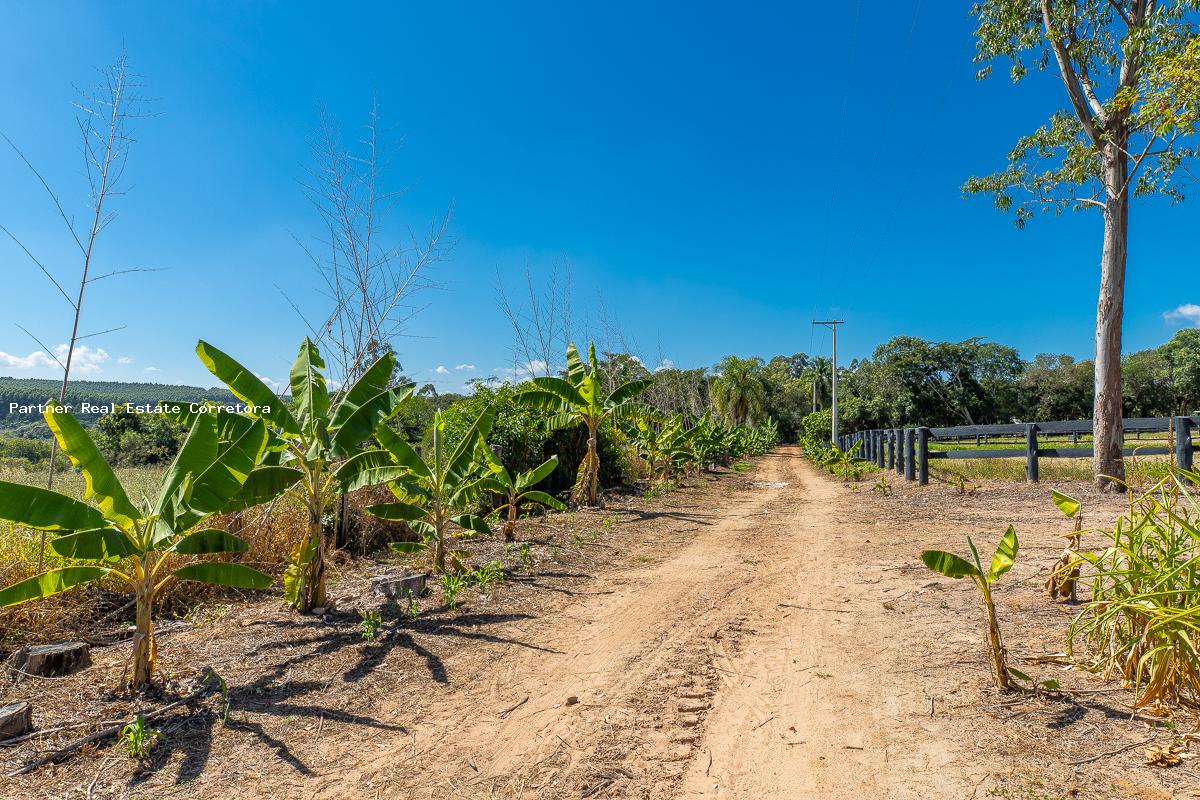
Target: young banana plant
{"points": [[579, 399], [1064, 575], [953, 566], [321, 430], [142, 545], [435, 493], [518, 493]]}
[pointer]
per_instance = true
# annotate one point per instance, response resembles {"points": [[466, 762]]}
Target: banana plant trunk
{"points": [[510, 524], [144, 648], [587, 488], [1107, 424], [439, 545], [314, 589], [996, 644]]}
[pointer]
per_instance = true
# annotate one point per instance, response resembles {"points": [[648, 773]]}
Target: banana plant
{"points": [[664, 446], [518, 493], [579, 399], [435, 493], [953, 566], [142, 545], [318, 432]]}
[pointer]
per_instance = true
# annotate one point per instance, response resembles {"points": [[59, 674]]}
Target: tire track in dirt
{"points": [[755, 661], [642, 660]]}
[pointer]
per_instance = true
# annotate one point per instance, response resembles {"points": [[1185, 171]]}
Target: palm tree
{"points": [[740, 389], [579, 399], [821, 376]]}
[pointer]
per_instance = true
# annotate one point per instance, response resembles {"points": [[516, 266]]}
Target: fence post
{"points": [[923, 456], [898, 438], [880, 448], [891, 434], [910, 466], [1183, 442], [1031, 453]]}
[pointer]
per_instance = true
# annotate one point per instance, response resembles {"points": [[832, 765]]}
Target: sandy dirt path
{"points": [[753, 661]]}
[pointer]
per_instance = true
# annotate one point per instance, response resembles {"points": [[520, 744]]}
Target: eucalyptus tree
{"points": [[318, 432], [436, 493], [140, 545], [579, 399], [739, 390], [516, 492], [1130, 70]]}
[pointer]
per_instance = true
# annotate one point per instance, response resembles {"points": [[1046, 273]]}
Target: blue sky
{"points": [[717, 173]]}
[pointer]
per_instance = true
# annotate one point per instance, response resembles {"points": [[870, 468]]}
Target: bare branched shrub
{"points": [[369, 279]]}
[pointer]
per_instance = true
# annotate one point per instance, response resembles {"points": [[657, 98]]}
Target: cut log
{"points": [[16, 719], [397, 586], [50, 660]]}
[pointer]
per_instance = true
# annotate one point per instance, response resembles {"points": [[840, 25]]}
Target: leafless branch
{"points": [[45, 349]]}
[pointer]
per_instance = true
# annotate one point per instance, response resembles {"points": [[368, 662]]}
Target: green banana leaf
{"points": [[98, 476], [51, 582], [222, 574], [46, 510]]}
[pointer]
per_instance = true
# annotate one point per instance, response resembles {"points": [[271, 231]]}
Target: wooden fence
{"points": [[906, 450]]}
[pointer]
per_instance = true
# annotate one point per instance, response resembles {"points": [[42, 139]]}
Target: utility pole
{"points": [[832, 324]]}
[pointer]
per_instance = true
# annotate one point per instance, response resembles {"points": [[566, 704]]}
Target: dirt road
{"points": [[754, 660]]}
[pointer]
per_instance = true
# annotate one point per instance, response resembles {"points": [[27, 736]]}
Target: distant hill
{"points": [[31, 391]]}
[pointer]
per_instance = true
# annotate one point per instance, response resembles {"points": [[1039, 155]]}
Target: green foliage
{"points": [[486, 574], [370, 624], [304, 443], [436, 491], [138, 740], [517, 494], [1144, 611], [580, 400], [953, 566], [1129, 77], [129, 439], [139, 545], [452, 583], [739, 391]]}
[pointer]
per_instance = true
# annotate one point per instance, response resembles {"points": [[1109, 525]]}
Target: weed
{"points": [[488, 574], [371, 622], [452, 584], [882, 486], [526, 552], [411, 600], [138, 740]]}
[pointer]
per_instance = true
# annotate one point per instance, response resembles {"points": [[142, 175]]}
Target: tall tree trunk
{"points": [[1107, 423]]}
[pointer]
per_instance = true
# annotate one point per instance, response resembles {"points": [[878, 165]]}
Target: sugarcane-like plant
{"points": [[579, 399], [517, 494], [142, 545], [436, 493], [318, 432], [953, 566]]}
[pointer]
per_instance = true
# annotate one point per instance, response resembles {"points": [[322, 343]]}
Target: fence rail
{"points": [[906, 450]]}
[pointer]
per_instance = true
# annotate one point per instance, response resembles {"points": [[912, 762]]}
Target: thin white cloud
{"points": [[666, 364], [1188, 312], [150, 369], [124, 360], [523, 372], [271, 383], [467, 367], [441, 370], [84, 359], [34, 360]]}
